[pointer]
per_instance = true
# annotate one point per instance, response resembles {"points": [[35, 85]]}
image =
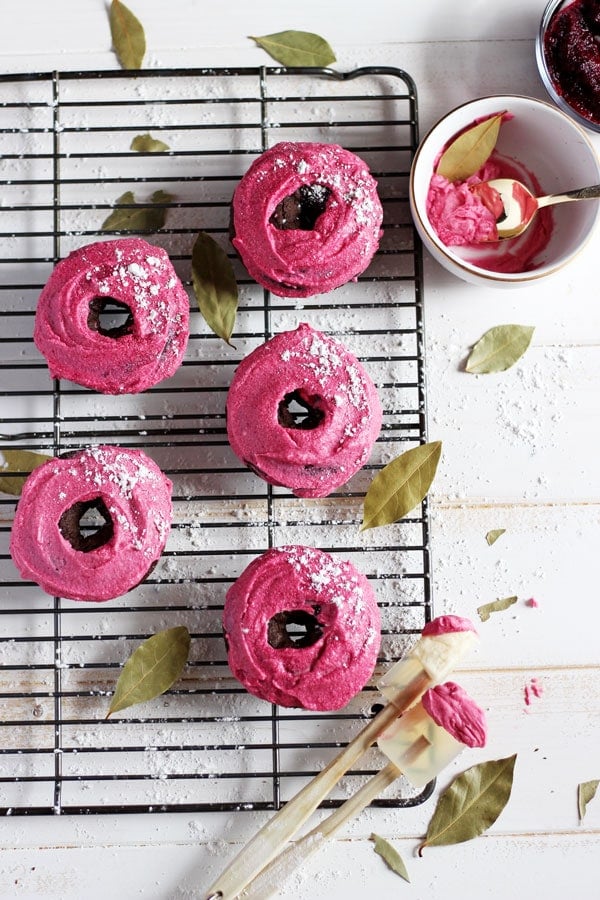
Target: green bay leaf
{"points": [[152, 668], [296, 48], [139, 218], [390, 856], [401, 485], [485, 611], [129, 40], [492, 536], [499, 349], [586, 791], [145, 143], [22, 461], [471, 803], [214, 285], [470, 150]]}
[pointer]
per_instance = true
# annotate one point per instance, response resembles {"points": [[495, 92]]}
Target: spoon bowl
{"points": [[515, 206]]}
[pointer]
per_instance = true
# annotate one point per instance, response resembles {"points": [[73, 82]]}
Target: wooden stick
{"points": [[274, 875], [267, 843]]}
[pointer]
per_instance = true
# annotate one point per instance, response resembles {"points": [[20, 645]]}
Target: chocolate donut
{"points": [[128, 503], [306, 218], [126, 278], [302, 412], [331, 653]]}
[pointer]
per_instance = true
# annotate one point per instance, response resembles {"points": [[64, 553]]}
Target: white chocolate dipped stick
{"points": [[420, 744], [440, 648], [443, 642]]}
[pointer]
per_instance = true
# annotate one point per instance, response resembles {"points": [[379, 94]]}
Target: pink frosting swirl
{"points": [[330, 599], [298, 262], [450, 706], [150, 346], [133, 498], [333, 441], [446, 625]]}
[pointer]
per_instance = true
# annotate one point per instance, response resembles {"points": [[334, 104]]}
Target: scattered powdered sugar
{"points": [[141, 282], [329, 577], [332, 366], [123, 470]]}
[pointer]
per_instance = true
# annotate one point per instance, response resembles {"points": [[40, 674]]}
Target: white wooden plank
{"points": [[544, 555], [550, 867], [84, 28]]}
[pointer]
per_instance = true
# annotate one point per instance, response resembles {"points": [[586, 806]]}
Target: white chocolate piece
{"points": [[399, 739], [437, 655]]}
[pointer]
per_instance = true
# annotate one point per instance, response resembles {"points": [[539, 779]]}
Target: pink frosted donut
{"points": [[333, 651], [127, 276], [302, 412], [306, 218], [131, 500]]}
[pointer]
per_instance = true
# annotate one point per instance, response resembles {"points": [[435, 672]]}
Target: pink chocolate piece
{"points": [[148, 348], [301, 262], [446, 625], [330, 599], [133, 498], [315, 453], [451, 707]]}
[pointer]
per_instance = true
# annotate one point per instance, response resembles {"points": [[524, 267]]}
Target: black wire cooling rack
{"points": [[66, 159]]}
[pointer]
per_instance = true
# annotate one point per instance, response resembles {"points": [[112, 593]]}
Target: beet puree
{"points": [[573, 56]]}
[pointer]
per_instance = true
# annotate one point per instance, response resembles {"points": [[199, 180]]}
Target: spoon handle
{"points": [[585, 193]]}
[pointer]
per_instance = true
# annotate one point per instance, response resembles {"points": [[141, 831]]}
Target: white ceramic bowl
{"points": [[547, 143], [551, 8]]}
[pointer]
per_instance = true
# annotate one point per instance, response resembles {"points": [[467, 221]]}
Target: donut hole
{"points": [[87, 525], [109, 317], [297, 410], [300, 210], [294, 628]]}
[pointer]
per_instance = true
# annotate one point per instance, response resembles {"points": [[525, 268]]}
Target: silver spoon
{"points": [[515, 206]]}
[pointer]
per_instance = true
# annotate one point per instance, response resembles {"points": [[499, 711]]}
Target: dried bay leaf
{"points": [[401, 485], [152, 668], [471, 804], [296, 48], [131, 216], [390, 856], [492, 536], [18, 461], [586, 791], [485, 611], [129, 40], [470, 150], [214, 285], [499, 349], [145, 143]]}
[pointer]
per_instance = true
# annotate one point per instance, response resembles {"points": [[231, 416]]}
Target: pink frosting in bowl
{"points": [[462, 219], [131, 498], [139, 280], [340, 218], [313, 453], [320, 667], [450, 706]]}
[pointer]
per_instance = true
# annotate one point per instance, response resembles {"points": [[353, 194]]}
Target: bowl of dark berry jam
{"points": [[568, 58]]}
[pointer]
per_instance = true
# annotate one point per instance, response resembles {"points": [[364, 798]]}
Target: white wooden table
{"points": [[520, 452]]}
